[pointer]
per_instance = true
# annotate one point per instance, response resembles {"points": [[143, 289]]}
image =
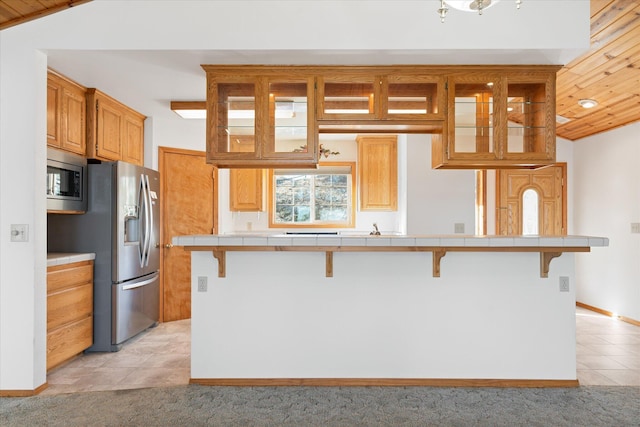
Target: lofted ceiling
{"points": [[608, 72]]}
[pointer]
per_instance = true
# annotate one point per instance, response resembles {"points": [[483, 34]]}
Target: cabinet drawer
{"points": [[67, 341], [69, 305], [68, 276]]}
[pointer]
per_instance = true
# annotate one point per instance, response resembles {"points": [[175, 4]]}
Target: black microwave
{"points": [[66, 182]]}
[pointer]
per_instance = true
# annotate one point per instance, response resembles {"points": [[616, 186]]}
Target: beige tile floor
{"points": [[608, 353]]}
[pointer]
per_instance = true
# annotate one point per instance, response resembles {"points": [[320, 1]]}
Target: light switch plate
{"points": [[458, 227], [19, 232], [564, 284], [635, 227]]}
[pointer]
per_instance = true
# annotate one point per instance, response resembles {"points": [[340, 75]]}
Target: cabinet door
{"points": [[133, 142], [73, 122], [350, 97], [530, 113], [54, 104], [412, 97], [378, 172], [246, 192], [110, 129], [232, 117], [288, 118], [473, 119]]}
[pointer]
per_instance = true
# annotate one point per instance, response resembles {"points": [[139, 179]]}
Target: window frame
{"points": [[352, 217]]}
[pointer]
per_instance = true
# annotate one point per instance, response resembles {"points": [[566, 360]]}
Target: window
{"points": [[530, 212], [321, 197]]}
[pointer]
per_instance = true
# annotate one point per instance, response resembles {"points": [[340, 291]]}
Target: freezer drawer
{"points": [[135, 307]]}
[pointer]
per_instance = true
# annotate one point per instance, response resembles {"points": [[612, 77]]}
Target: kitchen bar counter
{"points": [[549, 247], [279, 317]]}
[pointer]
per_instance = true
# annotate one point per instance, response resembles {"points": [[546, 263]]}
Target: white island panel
{"points": [[382, 315]]}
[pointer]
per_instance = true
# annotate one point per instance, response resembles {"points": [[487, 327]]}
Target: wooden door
{"points": [[188, 206], [548, 184]]}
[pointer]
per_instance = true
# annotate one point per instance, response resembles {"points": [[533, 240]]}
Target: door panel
{"points": [[548, 183], [188, 204]]}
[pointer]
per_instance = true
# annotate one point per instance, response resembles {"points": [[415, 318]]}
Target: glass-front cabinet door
{"points": [[473, 117], [530, 118], [416, 97], [234, 119], [290, 129], [352, 97]]}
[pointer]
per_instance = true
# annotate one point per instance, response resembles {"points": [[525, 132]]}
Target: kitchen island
{"points": [[383, 310]]}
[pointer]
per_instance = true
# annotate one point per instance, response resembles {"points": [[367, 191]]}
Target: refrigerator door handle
{"points": [[140, 284], [150, 218], [145, 238]]}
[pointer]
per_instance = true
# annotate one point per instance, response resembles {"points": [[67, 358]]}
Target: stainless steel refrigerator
{"points": [[121, 226]]}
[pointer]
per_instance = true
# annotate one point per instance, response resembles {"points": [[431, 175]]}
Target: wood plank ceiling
{"points": [[608, 72], [14, 12]]}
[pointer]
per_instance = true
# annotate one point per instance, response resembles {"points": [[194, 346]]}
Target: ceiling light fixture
{"points": [[468, 6], [190, 109], [587, 103]]}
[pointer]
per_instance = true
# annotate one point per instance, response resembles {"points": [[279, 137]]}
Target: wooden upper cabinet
{"points": [[114, 131], [66, 114], [378, 172], [498, 119], [271, 105]]}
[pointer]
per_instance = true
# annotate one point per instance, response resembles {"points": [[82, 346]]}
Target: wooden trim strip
{"points": [[608, 313], [546, 253], [23, 393], [381, 382]]}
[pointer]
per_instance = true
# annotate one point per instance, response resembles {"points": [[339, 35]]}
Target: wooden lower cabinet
{"points": [[69, 311]]}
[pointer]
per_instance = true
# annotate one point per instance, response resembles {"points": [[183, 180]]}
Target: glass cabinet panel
{"points": [[408, 97], [526, 127], [474, 121], [353, 97], [288, 117], [236, 118]]}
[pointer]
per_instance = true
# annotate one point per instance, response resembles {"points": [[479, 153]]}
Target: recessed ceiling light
{"points": [[562, 120], [587, 103]]}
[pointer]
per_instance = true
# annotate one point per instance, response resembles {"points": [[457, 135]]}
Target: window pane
{"points": [[284, 196], [284, 213], [301, 213]]}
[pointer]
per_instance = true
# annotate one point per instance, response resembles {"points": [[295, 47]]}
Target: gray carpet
{"points": [[329, 406]]}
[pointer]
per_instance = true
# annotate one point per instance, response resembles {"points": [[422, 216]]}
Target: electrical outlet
{"points": [[564, 284], [458, 227], [202, 283]]}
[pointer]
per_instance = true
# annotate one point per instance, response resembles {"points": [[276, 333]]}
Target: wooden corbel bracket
{"points": [[545, 260], [437, 256], [221, 256]]}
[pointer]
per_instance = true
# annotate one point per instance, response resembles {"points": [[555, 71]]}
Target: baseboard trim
{"points": [[23, 393], [607, 313], [381, 382]]}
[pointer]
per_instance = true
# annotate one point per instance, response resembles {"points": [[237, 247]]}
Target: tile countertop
{"points": [[60, 258], [279, 239]]}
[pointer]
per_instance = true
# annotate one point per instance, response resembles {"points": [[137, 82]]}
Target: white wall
{"points": [[382, 315], [207, 31], [606, 202], [437, 199]]}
